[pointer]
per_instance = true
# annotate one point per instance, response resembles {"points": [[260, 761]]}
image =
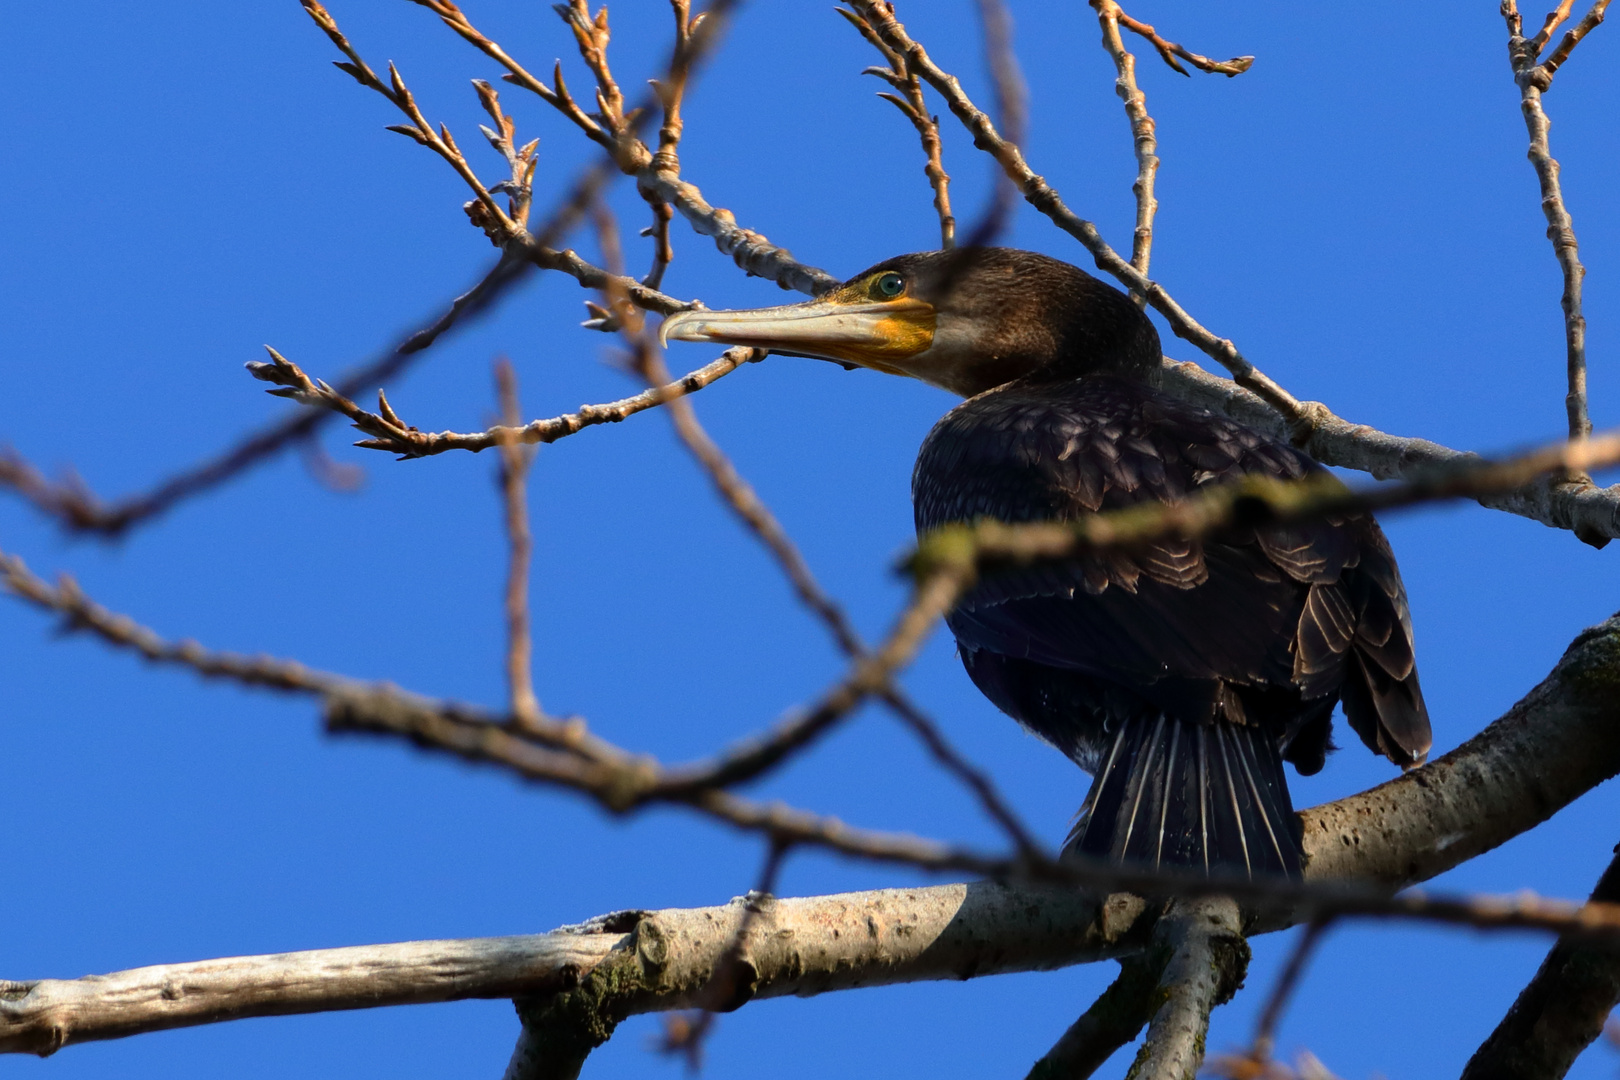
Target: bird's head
{"points": [[965, 320]]}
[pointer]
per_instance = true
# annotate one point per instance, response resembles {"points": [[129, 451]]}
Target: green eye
{"points": [[889, 285]]}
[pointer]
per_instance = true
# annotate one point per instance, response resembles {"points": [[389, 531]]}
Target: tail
{"points": [[1208, 797]]}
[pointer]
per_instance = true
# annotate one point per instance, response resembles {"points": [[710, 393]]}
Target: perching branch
{"points": [[1557, 743], [1208, 959]]}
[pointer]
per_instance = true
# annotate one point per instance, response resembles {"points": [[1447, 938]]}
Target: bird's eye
{"points": [[889, 285]]}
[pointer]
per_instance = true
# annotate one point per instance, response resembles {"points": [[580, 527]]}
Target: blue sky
{"points": [[184, 182]]}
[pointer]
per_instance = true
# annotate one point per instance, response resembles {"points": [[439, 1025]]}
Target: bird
{"points": [[1181, 674]]}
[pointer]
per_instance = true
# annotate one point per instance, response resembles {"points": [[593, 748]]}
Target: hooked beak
{"points": [[881, 335]]}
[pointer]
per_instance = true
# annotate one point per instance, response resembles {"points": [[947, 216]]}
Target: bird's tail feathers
{"points": [[1207, 797]]}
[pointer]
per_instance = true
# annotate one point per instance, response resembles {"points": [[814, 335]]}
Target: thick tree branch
{"points": [[1560, 1012], [621, 964], [1208, 959], [1561, 740]]}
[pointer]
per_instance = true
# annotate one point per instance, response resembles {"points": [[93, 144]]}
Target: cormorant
{"points": [[1181, 675]]}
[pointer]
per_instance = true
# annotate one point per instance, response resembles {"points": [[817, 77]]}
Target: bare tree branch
{"points": [[1113, 1020], [1142, 129], [388, 432], [1532, 79], [1169, 50], [500, 225], [1040, 195], [618, 965], [513, 482], [1253, 500], [657, 178], [1208, 959], [1591, 512], [1012, 111], [1557, 743], [1562, 1010], [909, 100], [75, 507]]}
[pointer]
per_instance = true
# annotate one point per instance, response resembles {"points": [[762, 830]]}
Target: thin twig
{"points": [[1265, 1032], [1039, 194], [744, 501], [1560, 729], [1142, 136], [74, 507], [1573, 36], [1533, 79], [499, 224], [1169, 50], [513, 481], [388, 432], [912, 105], [80, 613], [663, 250], [750, 250], [1591, 512]]}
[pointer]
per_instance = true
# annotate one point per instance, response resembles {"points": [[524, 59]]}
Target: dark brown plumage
{"points": [[1180, 675]]}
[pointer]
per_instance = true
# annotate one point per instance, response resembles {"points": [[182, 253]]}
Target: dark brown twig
{"points": [[1264, 1043]]}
